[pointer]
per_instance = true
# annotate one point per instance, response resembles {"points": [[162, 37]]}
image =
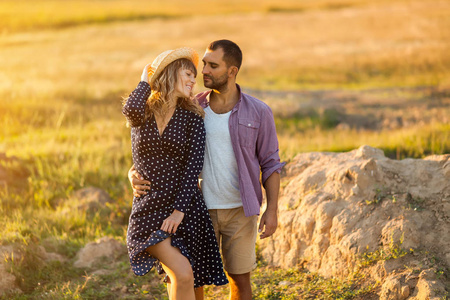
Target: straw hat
{"points": [[165, 58]]}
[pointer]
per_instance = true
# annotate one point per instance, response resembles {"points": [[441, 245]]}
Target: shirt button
{"points": [[249, 124]]}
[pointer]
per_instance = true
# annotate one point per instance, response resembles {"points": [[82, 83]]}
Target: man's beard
{"points": [[216, 84]]}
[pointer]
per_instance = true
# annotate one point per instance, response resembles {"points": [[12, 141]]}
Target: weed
{"points": [[415, 203], [380, 195], [440, 272], [393, 251], [394, 199]]}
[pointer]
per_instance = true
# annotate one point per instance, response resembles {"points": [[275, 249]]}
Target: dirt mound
{"points": [[8, 253], [342, 211]]}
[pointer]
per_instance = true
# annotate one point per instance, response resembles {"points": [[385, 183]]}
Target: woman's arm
{"points": [[134, 108]]}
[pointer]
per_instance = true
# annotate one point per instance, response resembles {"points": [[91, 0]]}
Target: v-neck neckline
{"points": [[160, 135]]}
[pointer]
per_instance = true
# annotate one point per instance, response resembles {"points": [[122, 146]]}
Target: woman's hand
{"points": [[170, 224], [147, 73]]}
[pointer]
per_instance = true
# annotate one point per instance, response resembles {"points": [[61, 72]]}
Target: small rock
{"points": [[101, 272], [405, 292], [285, 283], [355, 190], [93, 252], [49, 256], [91, 199], [428, 287]]}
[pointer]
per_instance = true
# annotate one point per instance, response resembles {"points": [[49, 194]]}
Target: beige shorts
{"points": [[236, 236]]}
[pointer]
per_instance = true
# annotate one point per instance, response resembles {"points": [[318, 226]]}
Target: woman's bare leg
{"points": [[199, 292], [169, 290], [178, 268]]}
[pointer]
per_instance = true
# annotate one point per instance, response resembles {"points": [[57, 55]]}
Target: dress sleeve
{"points": [[194, 157], [134, 108]]}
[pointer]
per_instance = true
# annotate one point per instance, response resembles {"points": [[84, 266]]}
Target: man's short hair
{"points": [[232, 54]]}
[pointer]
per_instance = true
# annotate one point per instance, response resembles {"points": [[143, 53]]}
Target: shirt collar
{"points": [[236, 107]]}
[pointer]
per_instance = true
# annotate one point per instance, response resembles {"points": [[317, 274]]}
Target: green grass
{"points": [[416, 142], [300, 284], [55, 280]]}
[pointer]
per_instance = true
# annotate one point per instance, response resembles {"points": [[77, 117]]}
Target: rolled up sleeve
{"points": [[267, 148]]}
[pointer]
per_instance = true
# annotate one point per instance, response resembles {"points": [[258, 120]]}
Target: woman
{"points": [[170, 227]]}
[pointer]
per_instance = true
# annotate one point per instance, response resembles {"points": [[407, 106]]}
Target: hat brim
{"points": [[173, 55]]}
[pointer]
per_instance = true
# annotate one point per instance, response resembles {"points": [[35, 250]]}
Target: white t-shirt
{"points": [[220, 179]]}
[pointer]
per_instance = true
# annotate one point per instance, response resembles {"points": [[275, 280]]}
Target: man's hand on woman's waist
{"points": [[138, 184]]}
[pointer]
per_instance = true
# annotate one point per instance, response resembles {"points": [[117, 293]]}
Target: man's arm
{"points": [[138, 184], [269, 160], [269, 219]]}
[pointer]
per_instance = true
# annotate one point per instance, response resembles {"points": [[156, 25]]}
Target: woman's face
{"points": [[185, 83]]}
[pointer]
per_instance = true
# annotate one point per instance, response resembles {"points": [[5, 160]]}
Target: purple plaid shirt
{"points": [[255, 144]]}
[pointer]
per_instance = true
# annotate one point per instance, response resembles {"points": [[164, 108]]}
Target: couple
{"points": [[226, 135]]}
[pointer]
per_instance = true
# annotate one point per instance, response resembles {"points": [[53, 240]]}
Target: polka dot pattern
{"points": [[172, 162]]}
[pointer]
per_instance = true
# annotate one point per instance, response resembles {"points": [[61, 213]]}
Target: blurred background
{"points": [[338, 74]]}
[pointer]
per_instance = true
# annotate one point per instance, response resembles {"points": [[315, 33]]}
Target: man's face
{"points": [[215, 70]]}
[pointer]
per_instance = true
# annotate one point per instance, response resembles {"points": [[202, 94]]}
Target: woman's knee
{"points": [[185, 276]]}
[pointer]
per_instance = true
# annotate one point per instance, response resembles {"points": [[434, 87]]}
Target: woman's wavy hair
{"points": [[164, 86]]}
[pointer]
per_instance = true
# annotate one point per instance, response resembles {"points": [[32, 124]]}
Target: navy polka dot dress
{"points": [[172, 163]]}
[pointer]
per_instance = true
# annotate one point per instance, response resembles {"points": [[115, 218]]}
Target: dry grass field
{"points": [[338, 74]]}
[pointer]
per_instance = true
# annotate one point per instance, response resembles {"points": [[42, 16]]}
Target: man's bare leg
{"points": [[240, 286], [199, 295]]}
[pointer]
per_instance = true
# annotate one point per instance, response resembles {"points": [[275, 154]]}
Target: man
{"points": [[241, 149]]}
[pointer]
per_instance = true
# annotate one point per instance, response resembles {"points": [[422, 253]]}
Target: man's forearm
{"points": [[272, 187]]}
